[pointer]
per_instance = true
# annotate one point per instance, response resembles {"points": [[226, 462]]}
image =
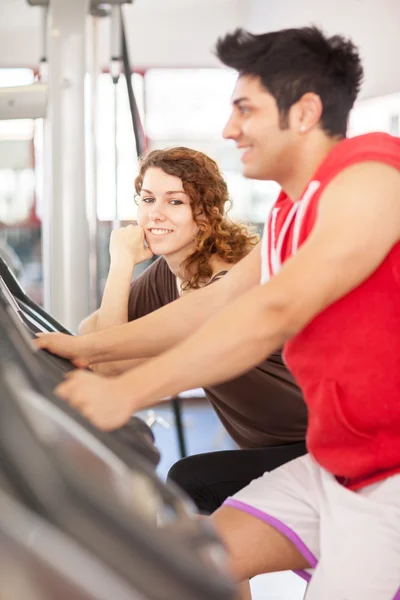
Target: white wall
{"points": [[180, 32], [374, 25]]}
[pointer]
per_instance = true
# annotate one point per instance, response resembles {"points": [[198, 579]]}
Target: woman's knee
{"points": [[191, 475], [181, 473]]}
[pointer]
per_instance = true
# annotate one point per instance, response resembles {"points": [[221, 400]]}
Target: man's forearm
{"points": [[112, 368], [229, 345], [156, 332]]}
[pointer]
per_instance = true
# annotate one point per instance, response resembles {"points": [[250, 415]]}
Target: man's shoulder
{"points": [[370, 147], [354, 160]]}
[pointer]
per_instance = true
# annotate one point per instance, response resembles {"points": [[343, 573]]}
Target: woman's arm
{"points": [[89, 324], [126, 250], [116, 367], [114, 305]]}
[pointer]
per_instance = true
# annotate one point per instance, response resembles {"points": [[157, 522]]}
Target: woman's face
{"points": [[165, 214]]}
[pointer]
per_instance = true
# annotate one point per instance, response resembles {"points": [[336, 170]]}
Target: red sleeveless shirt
{"points": [[347, 359]]}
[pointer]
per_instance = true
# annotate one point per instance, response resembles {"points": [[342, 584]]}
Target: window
{"points": [[189, 107], [107, 210], [17, 180]]}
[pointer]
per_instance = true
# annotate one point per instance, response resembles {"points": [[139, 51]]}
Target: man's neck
{"points": [[312, 154]]}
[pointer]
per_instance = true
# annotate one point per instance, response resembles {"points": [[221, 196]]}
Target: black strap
{"points": [[217, 276]]}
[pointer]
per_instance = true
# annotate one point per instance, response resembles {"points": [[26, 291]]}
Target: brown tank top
{"points": [[263, 407]]}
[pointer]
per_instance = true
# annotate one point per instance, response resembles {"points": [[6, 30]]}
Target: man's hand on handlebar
{"points": [[104, 402]]}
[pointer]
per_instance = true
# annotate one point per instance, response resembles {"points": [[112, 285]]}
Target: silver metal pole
{"points": [[65, 223], [116, 221], [23, 102], [43, 70], [95, 69], [115, 70]]}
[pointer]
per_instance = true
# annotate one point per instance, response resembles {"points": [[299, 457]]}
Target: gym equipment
{"points": [[45, 371], [140, 531], [35, 317], [51, 568], [88, 497]]}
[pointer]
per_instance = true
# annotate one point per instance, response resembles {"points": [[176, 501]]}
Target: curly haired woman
{"points": [[182, 198]]}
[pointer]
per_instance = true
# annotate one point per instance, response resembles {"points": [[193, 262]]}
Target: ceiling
{"points": [[183, 32]]}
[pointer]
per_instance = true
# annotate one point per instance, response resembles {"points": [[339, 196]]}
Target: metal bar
{"points": [[92, 164], [43, 71], [116, 46], [23, 102], [177, 409], [138, 130], [43, 35], [116, 220], [93, 3], [111, 2], [115, 70], [65, 224]]}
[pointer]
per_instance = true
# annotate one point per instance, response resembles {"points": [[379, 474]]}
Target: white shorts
{"points": [[351, 540]]}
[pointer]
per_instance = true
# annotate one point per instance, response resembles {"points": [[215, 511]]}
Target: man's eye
{"points": [[244, 110]]}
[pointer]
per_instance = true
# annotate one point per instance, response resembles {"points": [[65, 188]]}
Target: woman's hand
{"points": [[129, 243], [104, 402], [74, 348]]}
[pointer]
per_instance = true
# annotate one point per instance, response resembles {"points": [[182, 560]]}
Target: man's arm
{"points": [[162, 329], [357, 226]]}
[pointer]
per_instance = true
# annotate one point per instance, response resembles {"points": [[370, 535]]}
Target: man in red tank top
{"points": [[330, 291]]}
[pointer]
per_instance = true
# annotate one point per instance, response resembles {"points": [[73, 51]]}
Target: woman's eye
{"points": [[147, 200], [176, 202]]}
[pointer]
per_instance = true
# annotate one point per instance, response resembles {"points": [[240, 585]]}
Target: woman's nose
{"points": [[156, 213]]}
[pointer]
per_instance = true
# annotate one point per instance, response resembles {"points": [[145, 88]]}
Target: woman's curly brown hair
{"points": [[204, 184]]}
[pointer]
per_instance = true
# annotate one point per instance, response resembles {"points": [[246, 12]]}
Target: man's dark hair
{"points": [[292, 62]]}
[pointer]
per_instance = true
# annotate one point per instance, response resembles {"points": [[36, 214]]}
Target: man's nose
{"points": [[231, 130]]}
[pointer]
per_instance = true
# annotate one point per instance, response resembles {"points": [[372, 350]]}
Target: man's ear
{"points": [[306, 113]]}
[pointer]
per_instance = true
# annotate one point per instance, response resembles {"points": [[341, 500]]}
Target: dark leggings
{"points": [[210, 478]]}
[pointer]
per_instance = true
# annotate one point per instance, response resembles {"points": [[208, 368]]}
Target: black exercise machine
{"points": [[61, 490], [82, 512], [38, 320], [45, 370]]}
